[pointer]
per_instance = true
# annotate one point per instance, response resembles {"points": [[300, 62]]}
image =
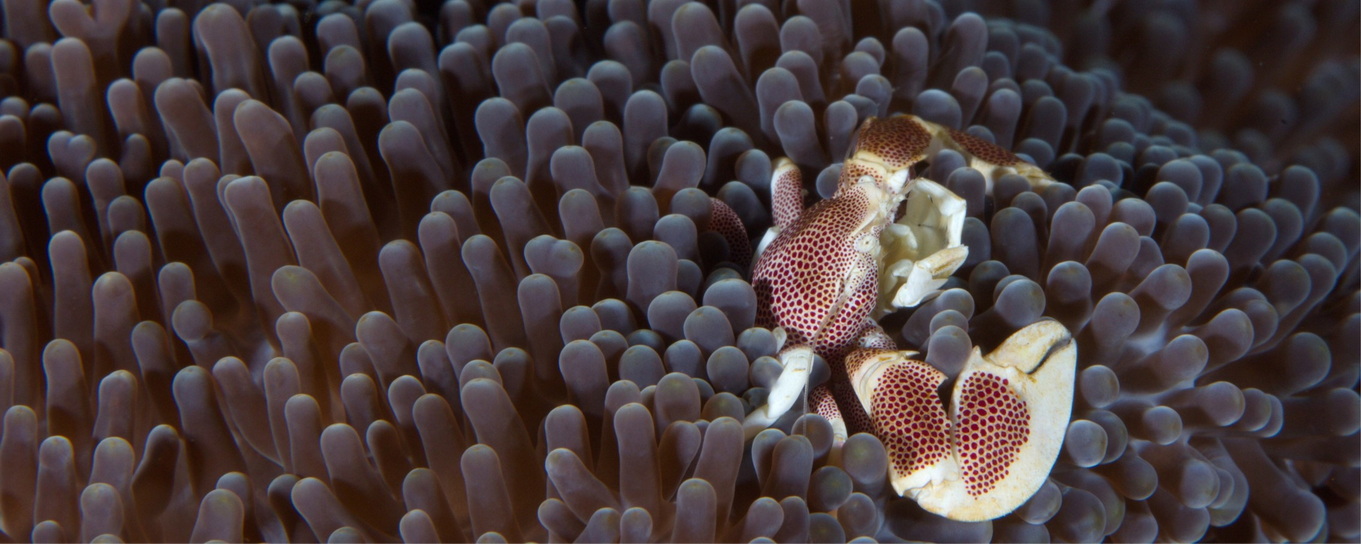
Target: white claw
{"points": [[788, 389], [923, 248]]}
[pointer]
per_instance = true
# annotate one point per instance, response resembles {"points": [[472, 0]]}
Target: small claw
{"points": [[922, 249], [788, 389]]}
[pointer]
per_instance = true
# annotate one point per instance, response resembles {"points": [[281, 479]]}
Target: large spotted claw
{"points": [[1005, 425]]}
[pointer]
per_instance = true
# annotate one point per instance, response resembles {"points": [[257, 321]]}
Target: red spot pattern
{"points": [[859, 358], [983, 149], [856, 418], [787, 199], [723, 220], [852, 170], [802, 275], [909, 417], [898, 141], [993, 425], [801, 278], [824, 404]]}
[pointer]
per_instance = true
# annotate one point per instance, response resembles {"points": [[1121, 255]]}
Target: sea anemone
{"points": [[390, 270]]}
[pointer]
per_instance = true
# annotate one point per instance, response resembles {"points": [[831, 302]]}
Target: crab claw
{"points": [[899, 395], [922, 249], [1010, 410], [788, 388], [1006, 422]]}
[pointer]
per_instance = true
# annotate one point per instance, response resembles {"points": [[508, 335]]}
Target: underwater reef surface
{"points": [[332, 271]]}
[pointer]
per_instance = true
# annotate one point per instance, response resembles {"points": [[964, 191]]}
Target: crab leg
{"points": [[992, 160], [725, 221], [786, 201]]}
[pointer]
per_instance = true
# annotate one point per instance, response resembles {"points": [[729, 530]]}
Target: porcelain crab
{"points": [[823, 275]]}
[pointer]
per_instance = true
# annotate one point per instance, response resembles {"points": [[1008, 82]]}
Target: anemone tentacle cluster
{"points": [[380, 270]]}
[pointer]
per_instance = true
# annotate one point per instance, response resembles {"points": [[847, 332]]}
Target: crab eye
{"points": [[867, 243]]}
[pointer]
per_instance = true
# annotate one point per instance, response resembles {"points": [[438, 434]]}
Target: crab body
{"points": [[823, 274], [818, 275], [819, 279]]}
